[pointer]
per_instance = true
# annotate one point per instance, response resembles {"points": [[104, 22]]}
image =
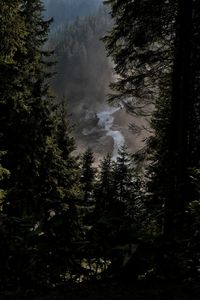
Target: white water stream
{"points": [[106, 120]]}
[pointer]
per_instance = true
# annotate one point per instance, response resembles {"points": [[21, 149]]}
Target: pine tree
{"points": [[104, 187], [164, 55], [39, 203], [123, 180], [140, 45], [87, 176], [22, 97]]}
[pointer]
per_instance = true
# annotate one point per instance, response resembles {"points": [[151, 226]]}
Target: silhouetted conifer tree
{"points": [[38, 208]]}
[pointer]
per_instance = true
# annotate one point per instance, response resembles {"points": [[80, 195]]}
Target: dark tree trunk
{"points": [[181, 106]]}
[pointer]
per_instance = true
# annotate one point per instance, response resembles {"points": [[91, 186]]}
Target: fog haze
{"points": [[68, 10], [83, 75]]}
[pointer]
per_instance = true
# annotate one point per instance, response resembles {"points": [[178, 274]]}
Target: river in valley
{"points": [[105, 122]]}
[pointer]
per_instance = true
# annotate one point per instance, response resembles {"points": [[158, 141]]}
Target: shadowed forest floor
{"points": [[116, 291]]}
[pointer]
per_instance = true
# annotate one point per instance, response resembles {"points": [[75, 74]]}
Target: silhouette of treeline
{"points": [[83, 70], [62, 220], [64, 11]]}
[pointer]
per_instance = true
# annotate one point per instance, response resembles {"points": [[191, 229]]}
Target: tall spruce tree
{"points": [[87, 176], [38, 202], [104, 187], [158, 46], [123, 177]]}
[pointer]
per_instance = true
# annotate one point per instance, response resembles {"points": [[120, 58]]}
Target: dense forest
{"points": [[83, 72], [64, 11], [134, 219], [82, 61]]}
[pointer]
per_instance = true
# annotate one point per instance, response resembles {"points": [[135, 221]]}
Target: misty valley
{"points": [[83, 74]]}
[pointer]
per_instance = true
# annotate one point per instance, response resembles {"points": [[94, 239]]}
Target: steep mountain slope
{"points": [[83, 74]]}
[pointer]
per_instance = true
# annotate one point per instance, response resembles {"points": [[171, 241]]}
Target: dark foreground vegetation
{"points": [[128, 228], [112, 291]]}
